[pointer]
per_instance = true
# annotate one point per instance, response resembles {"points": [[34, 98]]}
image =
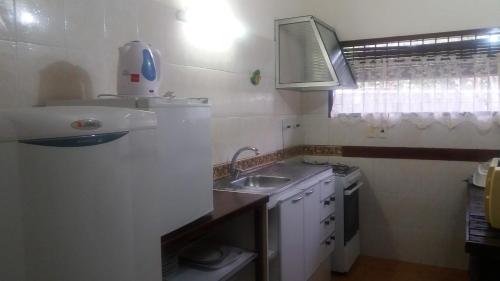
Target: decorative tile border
{"points": [[222, 170], [322, 150], [446, 154], [421, 153]]}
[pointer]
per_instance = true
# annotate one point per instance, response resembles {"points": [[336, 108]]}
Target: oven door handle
{"points": [[350, 191]]}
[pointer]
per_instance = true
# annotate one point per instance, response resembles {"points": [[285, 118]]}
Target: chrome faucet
{"points": [[233, 171]]}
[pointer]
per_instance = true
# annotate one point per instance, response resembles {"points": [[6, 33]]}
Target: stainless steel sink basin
{"points": [[269, 180], [260, 181]]}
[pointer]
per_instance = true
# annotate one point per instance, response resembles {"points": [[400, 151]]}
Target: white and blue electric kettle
{"points": [[138, 70]]}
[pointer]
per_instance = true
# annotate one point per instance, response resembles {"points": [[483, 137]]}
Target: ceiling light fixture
{"points": [[27, 18], [211, 24]]}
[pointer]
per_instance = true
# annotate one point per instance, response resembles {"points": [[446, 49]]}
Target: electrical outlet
{"points": [[292, 123], [382, 133]]}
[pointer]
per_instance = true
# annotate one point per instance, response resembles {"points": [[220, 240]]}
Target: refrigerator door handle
{"points": [[78, 141]]}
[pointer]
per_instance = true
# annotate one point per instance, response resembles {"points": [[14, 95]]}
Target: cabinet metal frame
{"points": [[326, 85]]}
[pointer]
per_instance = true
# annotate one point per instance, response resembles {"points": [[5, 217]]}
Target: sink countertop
{"points": [[226, 205], [296, 172]]}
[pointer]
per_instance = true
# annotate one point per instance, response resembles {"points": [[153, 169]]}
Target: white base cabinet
{"points": [[303, 244], [292, 258], [312, 230]]}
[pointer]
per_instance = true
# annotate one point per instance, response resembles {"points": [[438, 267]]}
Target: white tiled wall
{"points": [[53, 49], [411, 210]]}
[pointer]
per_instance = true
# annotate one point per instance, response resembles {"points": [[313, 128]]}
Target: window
{"points": [[445, 75]]}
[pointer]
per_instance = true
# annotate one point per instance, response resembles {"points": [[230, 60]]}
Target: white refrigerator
{"points": [[87, 192]]}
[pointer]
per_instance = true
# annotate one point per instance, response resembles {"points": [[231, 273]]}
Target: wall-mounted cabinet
{"points": [[309, 56]]}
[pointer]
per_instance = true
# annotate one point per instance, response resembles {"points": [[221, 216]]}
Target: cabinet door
{"points": [[312, 229], [292, 239]]}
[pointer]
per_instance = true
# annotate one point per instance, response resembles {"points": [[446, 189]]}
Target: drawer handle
{"points": [[332, 237], [327, 202], [332, 198], [327, 222], [328, 181], [309, 192], [349, 192], [328, 242], [332, 218], [297, 199]]}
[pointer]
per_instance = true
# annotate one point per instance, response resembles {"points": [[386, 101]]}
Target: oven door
{"points": [[351, 211]]}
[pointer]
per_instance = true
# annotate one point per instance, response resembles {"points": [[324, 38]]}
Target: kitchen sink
{"points": [[260, 181], [271, 179]]}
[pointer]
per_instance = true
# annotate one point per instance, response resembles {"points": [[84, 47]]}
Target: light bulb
{"points": [[211, 24]]}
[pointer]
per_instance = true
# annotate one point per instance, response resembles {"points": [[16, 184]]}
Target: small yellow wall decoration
{"points": [[256, 77]]}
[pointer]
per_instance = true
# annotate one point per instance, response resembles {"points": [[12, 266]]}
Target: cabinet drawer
{"points": [[327, 246], [327, 226], [327, 207], [327, 188]]}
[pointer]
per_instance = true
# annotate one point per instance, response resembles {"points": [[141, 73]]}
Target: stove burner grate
{"points": [[340, 168]]}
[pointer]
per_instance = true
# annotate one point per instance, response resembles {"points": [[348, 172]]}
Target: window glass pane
{"points": [[430, 41], [442, 40], [441, 81], [417, 42], [468, 37]]}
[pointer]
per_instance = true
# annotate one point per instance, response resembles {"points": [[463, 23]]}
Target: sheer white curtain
{"points": [[423, 89]]}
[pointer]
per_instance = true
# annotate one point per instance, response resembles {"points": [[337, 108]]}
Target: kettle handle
{"points": [[157, 58]]}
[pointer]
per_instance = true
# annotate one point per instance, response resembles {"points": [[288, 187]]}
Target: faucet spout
{"points": [[234, 172]]}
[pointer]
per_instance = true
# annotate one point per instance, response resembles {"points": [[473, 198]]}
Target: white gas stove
{"points": [[347, 244]]}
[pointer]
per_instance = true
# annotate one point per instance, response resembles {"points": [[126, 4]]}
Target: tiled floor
{"points": [[374, 269]]}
